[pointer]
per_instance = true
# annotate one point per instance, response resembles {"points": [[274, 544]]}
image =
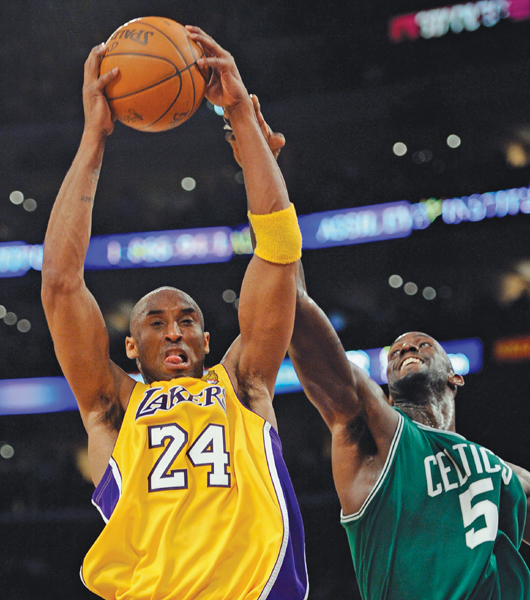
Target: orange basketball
{"points": [[159, 85]]}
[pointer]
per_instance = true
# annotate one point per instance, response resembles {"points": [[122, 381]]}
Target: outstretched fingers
{"points": [[211, 47], [225, 87], [276, 141]]}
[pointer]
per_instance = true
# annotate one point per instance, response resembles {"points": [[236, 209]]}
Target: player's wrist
{"points": [[278, 237], [240, 109], [94, 134]]}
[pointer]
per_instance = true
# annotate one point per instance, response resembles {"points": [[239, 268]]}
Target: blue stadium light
{"points": [[326, 229], [53, 394], [17, 258], [160, 248], [356, 225]]}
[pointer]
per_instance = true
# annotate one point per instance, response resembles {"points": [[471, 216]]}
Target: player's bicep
{"points": [[266, 318], [81, 345]]}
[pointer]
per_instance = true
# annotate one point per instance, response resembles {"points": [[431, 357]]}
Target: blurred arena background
{"points": [[380, 102]]}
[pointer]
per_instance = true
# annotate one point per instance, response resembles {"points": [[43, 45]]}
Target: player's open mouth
{"points": [[409, 361]]}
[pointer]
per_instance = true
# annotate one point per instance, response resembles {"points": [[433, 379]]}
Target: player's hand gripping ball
{"points": [[159, 85]]}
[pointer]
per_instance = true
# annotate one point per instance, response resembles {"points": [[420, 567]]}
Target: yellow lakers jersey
{"points": [[197, 501]]}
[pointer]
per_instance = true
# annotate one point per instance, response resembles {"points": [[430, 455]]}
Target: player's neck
{"points": [[439, 414]]}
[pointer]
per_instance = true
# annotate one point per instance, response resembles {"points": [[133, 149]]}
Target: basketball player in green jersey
{"points": [[429, 515]]}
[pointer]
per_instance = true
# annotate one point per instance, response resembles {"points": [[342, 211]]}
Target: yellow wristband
{"points": [[278, 237]]}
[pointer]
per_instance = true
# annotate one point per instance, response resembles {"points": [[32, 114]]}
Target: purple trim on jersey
{"points": [[291, 583], [107, 493]]}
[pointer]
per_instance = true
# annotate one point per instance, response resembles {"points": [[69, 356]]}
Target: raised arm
{"points": [[76, 324], [267, 299], [340, 390], [353, 406]]}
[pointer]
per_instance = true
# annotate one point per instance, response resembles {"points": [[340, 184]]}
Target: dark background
{"points": [[329, 78]]}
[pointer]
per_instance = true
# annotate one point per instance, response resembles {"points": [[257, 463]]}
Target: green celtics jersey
{"points": [[444, 522]]}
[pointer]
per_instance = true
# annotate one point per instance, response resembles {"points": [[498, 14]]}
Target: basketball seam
{"points": [[196, 59], [176, 74], [185, 61]]}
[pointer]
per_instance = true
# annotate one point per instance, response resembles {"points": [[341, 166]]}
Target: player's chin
{"points": [[180, 368]]}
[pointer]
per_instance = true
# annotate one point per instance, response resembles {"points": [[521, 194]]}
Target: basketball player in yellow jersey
{"points": [[187, 466]]}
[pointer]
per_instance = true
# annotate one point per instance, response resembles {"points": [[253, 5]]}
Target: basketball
{"points": [[159, 85]]}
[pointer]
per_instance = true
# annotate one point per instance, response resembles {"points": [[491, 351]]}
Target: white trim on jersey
{"points": [[117, 478], [116, 472], [428, 428], [283, 507], [386, 468]]}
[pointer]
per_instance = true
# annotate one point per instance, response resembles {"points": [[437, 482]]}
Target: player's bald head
{"points": [[152, 300]]}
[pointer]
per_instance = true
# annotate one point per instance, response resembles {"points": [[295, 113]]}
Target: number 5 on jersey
{"points": [[208, 449]]}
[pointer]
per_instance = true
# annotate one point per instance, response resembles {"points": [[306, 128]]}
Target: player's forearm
{"points": [[321, 363], [68, 233], [266, 190]]}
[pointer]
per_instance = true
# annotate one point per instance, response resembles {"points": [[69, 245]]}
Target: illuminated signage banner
{"points": [[512, 349], [356, 225], [53, 394], [16, 258], [319, 230], [161, 248], [470, 16], [466, 357]]}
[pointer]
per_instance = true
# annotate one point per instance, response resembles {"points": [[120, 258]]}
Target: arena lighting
{"points": [[410, 288], [29, 204], [342, 227], [399, 149], [429, 293], [53, 394], [395, 281], [453, 141], [513, 349], [229, 296], [6, 450], [16, 197], [188, 184], [10, 318], [468, 16]]}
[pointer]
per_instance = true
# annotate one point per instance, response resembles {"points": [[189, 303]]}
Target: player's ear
{"points": [[131, 348], [456, 380], [390, 400], [206, 342]]}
